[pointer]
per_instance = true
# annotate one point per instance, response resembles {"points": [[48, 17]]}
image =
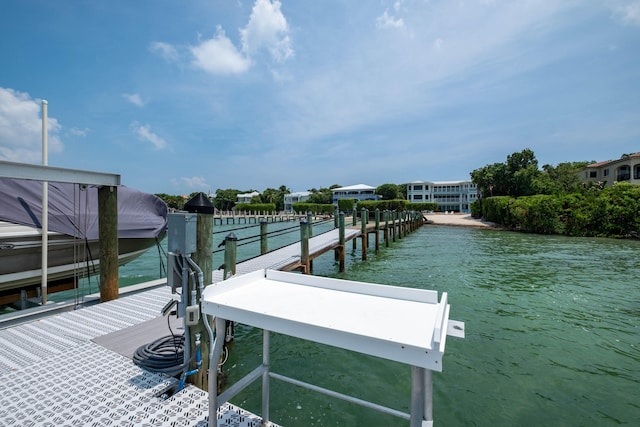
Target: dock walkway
{"points": [[55, 370], [287, 258]]}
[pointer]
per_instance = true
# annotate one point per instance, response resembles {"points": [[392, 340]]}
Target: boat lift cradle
{"points": [[357, 316]]}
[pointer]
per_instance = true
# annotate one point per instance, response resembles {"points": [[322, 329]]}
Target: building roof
{"points": [[606, 162], [357, 187], [299, 194], [463, 181], [255, 193]]}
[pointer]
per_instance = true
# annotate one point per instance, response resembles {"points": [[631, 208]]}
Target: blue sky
{"points": [[179, 96]]}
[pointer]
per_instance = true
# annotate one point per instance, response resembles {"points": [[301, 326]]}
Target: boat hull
{"points": [[68, 258]]}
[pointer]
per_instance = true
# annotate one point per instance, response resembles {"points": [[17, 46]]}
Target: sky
{"points": [[179, 96]]}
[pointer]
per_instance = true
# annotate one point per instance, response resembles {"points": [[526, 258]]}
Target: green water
{"points": [[552, 333]]}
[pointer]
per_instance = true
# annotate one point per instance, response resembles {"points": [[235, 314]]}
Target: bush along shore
{"points": [[595, 212]]}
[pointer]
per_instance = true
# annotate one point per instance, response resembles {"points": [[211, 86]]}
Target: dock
{"points": [[56, 371], [70, 368]]}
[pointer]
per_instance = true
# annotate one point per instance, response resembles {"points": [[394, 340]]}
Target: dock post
{"points": [[230, 250], [400, 224], [310, 235], [264, 247], [364, 219], [386, 228], [394, 215], [336, 220], [201, 205], [355, 221], [377, 229], [108, 236], [341, 241], [304, 247]]}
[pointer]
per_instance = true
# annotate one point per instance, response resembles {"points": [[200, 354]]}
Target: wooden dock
{"points": [[290, 257]]}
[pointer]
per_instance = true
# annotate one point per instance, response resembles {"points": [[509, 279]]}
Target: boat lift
{"points": [[346, 314]]}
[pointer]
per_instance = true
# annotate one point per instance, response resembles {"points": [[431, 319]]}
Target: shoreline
{"points": [[459, 220]]}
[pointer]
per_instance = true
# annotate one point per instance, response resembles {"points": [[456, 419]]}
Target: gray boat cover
{"points": [[74, 211]]}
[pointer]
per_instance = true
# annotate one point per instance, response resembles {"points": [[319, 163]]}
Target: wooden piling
{"points": [[304, 247], [202, 257], [364, 219], [341, 241], [108, 236], [377, 229], [230, 252], [264, 247]]}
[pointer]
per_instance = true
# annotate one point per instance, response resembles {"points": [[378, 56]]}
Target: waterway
{"points": [[552, 333]]}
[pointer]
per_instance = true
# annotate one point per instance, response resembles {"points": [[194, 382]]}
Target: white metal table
{"points": [[357, 316]]}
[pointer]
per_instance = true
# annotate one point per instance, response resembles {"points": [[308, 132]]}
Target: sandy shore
{"points": [[462, 220]]}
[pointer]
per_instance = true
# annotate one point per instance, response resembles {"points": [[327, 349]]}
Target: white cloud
{"points": [[21, 128], [133, 98], [387, 21], [267, 28], [195, 182], [144, 133], [628, 11], [79, 132], [219, 56], [167, 51]]}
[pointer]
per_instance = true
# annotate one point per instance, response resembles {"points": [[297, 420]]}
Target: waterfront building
{"points": [[455, 196], [246, 197], [297, 197], [625, 169], [356, 192]]}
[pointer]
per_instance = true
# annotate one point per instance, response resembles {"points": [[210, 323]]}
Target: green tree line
{"points": [[554, 200]]}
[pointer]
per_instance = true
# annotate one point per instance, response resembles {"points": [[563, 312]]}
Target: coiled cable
{"points": [[163, 355]]}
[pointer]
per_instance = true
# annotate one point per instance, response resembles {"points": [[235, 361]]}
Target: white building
{"points": [[627, 168], [356, 192], [291, 198], [455, 196], [246, 197]]}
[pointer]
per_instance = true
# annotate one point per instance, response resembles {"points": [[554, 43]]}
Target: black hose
{"points": [[163, 355]]}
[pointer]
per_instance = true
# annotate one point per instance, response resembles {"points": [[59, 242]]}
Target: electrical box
{"points": [[174, 272], [182, 233]]}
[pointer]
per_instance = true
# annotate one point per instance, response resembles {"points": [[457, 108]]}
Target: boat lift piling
{"points": [[203, 208]]}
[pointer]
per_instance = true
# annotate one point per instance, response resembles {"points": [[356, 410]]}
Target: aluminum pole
{"points": [[45, 207]]}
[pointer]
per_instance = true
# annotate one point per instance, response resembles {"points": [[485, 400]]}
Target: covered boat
{"points": [[73, 248]]}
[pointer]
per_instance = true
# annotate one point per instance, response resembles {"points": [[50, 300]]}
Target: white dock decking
{"points": [[53, 371]]}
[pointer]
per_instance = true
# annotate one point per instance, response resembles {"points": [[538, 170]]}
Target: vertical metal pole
{"points": [[265, 376], [214, 356], [417, 396], [264, 246], [45, 207], [428, 394]]}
